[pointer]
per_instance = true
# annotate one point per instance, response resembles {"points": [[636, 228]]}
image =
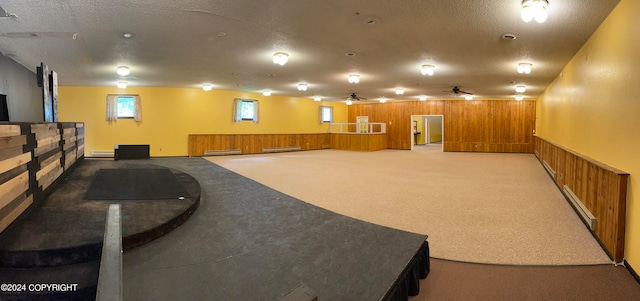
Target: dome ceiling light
{"points": [[524, 68], [534, 9], [280, 58], [123, 70], [427, 70]]}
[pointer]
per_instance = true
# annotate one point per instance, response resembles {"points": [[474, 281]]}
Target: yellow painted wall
{"points": [[169, 115], [435, 129], [421, 138], [593, 107]]}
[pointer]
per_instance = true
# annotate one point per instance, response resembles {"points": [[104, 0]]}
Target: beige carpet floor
{"points": [[475, 207]]}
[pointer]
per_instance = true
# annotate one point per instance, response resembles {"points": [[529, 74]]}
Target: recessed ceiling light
{"points": [[221, 34], [271, 75], [399, 91], [128, 35], [371, 22], [302, 87], [122, 84], [266, 93], [351, 54], [427, 69], [509, 36], [383, 99], [354, 78], [423, 98], [317, 98], [207, 87]]}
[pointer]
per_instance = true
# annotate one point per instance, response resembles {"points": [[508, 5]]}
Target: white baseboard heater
{"points": [[222, 152], [549, 169], [102, 154], [280, 149], [584, 213]]}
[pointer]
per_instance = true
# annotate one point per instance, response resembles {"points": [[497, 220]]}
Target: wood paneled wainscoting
{"points": [[600, 188], [211, 144], [468, 126], [359, 142]]}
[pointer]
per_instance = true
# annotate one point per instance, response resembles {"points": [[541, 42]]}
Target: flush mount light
{"points": [[317, 98], [266, 93], [280, 58], [302, 87], [207, 87], [468, 97], [383, 99], [354, 78], [524, 68], [427, 69], [399, 91], [123, 70], [521, 89], [128, 35], [122, 84], [519, 98], [422, 98], [349, 102], [534, 9]]}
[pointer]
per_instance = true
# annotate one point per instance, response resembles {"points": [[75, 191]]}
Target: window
{"points": [[326, 114], [125, 107], [245, 109]]}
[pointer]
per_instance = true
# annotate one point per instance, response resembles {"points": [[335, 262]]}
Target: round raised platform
{"points": [[66, 228]]}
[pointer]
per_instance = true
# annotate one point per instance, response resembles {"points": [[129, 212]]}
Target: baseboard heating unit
{"points": [[222, 152], [584, 213], [280, 149], [102, 154], [549, 169]]}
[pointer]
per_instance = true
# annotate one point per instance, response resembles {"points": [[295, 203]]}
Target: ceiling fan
{"points": [[354, 97], [459, 93]]}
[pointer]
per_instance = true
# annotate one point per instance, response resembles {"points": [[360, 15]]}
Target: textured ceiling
{"points": [[230, 44]]}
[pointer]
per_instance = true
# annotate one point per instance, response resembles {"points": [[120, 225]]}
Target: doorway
{"points": [[427, 131]]}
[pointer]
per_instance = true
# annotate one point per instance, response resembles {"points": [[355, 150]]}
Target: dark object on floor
{"points": [[135, 184]]}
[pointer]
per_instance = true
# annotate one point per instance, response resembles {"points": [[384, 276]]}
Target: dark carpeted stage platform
{"points": [[246, 241], [250, 242], [60, 240]]}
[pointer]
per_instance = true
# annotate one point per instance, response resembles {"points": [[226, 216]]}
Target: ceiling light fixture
{"points": [[399, 91], [280, 58], [422, 98], [123, 70], [207, 87], [524, 68], [266, 93], [383, 99], [317, 98], [354, 78], [427, 70], [534, 9], [521, 89], [122, 84], [519, 98], [349, 102], [302, 87], [468, 97]]}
